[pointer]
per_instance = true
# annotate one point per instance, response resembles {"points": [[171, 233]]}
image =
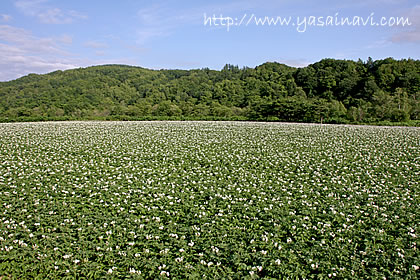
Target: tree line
{"points": [[329, 91]]}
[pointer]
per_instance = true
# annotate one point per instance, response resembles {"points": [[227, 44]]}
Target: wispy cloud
{"points": [[135, 48], [95, 45], [47, 13], [99, 47], [411, 34], [5, 18], [146, 34], [66, 39], [155, 21], [378, 44], [159, 20], [57, 16], [23, 39], [367, 3]]}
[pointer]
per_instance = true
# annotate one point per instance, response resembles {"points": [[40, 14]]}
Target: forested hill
{"points": [[335, 91]]}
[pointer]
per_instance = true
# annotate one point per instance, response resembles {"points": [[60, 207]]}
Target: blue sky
{"points": [[40, 36]]}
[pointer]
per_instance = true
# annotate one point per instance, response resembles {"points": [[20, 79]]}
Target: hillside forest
{"points": [[329, 91]]}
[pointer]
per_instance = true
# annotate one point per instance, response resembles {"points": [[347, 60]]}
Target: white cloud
{"points": [[46, 13], [15, 62], [295, 62], [23, 53]]}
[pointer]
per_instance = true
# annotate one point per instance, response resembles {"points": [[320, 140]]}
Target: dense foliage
{"points": [[336, 91], [208, 200]]}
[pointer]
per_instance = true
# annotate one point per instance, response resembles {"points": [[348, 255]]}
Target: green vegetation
{"points": [[332, 91], [208, 200]]}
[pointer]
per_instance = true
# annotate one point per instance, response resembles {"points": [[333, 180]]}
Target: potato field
{"points": [[208, 200]]}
